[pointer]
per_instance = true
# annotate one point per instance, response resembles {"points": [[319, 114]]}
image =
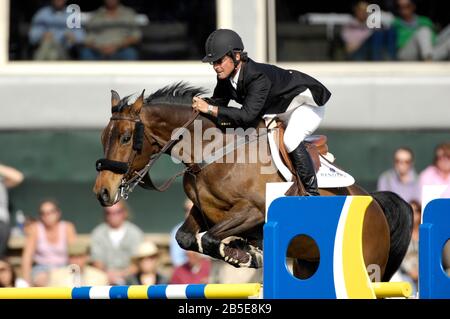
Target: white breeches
{"points": [[303, 121]]}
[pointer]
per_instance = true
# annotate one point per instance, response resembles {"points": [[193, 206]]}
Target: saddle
{"points": [[315, 144]]}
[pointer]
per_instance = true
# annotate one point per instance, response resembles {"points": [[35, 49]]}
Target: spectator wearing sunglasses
{"points": [[46, 244], [402, 178]]}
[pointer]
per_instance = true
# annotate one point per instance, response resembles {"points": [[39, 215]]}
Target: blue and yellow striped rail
{"points": [[191, 291]]}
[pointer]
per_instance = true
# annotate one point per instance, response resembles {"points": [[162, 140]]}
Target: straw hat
{"points": [[145, 249]]}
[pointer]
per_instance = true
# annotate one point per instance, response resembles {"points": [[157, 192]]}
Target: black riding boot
{"points": [[305, 169]]}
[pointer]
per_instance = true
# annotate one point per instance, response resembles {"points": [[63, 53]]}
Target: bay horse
{"points": [[228, 215]]}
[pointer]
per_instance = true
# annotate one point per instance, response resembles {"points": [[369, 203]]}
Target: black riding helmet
{"points": [[220, 43]]}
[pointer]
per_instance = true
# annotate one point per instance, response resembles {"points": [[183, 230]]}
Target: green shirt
{"points": [[406, 30]]}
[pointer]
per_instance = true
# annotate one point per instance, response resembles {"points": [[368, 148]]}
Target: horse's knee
{"points": [[186, 240]]}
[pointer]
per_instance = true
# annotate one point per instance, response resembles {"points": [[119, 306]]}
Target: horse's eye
{"points": [[125, 139]]}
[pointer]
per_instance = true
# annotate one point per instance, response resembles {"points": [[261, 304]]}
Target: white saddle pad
{"points": [[328, 176]]}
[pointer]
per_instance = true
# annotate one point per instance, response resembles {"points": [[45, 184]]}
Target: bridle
{"points": [[141, 177]]}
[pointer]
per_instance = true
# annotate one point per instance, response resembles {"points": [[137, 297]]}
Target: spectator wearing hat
{"points": [[146, 260], [79, 272]]}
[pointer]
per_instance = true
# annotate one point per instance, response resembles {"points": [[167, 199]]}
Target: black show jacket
{"points": [[262, 89]]}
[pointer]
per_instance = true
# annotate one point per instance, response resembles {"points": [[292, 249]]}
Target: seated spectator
{"points": [[50, 34], [402, 178], [409, 268], [195, 271], [112, 33], [439, 172], [8, 278], [9, 178], [362, 43], [79, 272], [146, 260], [224, 273], [178, 254], [46, 244], [114, 242], [416, 38]]}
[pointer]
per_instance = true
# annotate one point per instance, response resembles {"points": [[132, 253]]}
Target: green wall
{"points": [[366, 154], [60, 165]]}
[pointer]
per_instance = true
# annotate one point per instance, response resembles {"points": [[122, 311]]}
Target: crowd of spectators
{"points": [[118, 253], [113, 32], [407, 36], [403, 180]]}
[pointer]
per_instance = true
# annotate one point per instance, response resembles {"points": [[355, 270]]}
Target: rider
{"points": [[264, 89]]}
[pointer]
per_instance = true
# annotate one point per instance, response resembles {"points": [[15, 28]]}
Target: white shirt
{"points": [[305, 97], [235, 78], [116, 235]]}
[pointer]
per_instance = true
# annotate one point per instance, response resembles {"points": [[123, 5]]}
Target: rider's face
{"points": [[223, 67]]}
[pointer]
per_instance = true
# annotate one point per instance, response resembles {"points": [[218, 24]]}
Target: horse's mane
{"points": [[177, 93]]}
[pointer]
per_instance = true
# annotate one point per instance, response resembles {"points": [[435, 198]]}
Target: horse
{"points": [[227, 218]]}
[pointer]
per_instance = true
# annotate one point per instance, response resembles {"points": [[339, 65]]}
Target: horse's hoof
{"points": [[238, 253], [235, 257]]}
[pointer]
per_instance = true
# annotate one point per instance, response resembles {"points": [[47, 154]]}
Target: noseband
{"points": [[138, 139]]}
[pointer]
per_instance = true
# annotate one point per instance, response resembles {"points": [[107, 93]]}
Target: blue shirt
{"points": [[48, 19], [177, 254]]}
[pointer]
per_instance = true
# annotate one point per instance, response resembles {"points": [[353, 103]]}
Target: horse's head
{"points": [[126, 149]]}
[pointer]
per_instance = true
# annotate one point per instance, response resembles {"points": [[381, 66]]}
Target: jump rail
{"points": [[192, 291]]}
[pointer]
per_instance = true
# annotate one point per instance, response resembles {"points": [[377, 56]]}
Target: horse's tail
{"points": [[399, 216]]}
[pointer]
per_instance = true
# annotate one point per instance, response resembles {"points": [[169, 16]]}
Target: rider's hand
{"points": [[199, 104]]}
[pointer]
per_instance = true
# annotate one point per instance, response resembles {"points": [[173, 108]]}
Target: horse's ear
{"points": [[115, 98], [137, 105]]}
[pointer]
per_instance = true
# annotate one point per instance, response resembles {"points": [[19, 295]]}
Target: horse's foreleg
{"points": [[224, 241], [187, 235]]}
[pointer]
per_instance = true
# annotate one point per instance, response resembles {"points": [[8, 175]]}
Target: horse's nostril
{"points": [[104, 195]]}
